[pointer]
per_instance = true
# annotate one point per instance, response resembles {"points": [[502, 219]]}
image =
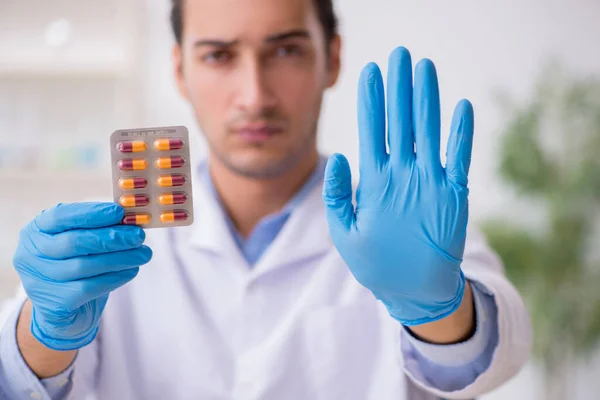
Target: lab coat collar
{"points": [[304, 235]]}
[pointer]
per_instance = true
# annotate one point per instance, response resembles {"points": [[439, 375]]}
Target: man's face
{"points": [[255, 72]]}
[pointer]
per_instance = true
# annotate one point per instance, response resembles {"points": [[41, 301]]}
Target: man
{"points": [[283, 288]]}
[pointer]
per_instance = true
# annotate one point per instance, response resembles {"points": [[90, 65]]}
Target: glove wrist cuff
{"points": [[59, 344], [440, 311]]}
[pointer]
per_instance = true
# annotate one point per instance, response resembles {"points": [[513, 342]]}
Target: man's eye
{"points": [[217, 57], [288, 50]]}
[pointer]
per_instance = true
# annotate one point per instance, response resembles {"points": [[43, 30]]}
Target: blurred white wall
{"points": [[477, 47]]}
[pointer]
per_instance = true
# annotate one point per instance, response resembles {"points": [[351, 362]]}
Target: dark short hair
{"points": [[324, 8]]}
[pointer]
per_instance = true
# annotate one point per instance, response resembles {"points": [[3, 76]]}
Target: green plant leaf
{"points": [[518, 249], [523, 162]]}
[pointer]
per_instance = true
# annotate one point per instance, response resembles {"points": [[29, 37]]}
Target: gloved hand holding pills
{"points": [[70, 257]]}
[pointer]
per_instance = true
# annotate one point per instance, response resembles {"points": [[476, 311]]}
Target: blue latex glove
{"points": [[405, 239], [69, 259]]}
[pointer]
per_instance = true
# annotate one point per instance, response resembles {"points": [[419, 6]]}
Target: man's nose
{"points": [[255, 95]]}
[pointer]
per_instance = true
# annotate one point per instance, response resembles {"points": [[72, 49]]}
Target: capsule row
{"points": [[139, 146], [165, 218], [171, 180], [141, 164], [142, 200]]}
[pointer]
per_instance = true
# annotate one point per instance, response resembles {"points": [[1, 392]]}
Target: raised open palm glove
{"points": [[405, 238]]}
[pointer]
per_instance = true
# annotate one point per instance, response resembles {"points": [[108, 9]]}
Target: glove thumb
{"points": [[337, 193]]}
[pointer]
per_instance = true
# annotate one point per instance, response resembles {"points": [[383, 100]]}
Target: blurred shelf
{"points": [[63, 70], [78, 177]]}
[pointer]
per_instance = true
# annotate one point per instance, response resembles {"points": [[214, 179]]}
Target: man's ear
{"points": [[178, 71], [334, 60]]}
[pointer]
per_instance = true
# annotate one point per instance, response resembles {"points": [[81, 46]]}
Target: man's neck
{"points": [[248, 200]]}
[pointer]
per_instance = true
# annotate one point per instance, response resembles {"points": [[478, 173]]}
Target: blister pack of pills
{"points": [[152, 176]]}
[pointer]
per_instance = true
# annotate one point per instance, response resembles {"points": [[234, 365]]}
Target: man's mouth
{"points": [[257, 133]]}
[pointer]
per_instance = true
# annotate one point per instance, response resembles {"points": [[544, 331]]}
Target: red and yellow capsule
{"points": [[170, 162], [173, 216], [132, 183], [134, 200], [167, 144], [136, 219], [135, 146], [171, 180], [168, 199], [132, 165]]}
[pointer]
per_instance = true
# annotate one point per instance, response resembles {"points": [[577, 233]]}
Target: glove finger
{"points": [[337, 192], [460, 143], [84, 267], [400, 98], [426, 118], [64, 217], [371, 119], [79, 292], [83, 242]]}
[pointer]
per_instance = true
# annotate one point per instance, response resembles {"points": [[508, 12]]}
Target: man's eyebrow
{"points": [[298, 33], [215, 43]]}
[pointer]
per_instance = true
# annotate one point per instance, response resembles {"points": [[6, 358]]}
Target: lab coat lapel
{"points": [[304, 235], [210, 231]]}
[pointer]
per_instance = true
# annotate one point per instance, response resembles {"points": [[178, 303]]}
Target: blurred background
{"points": [[72, 72]]}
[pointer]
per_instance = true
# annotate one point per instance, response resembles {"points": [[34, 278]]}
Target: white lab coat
{"points": [[198, 323]]}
